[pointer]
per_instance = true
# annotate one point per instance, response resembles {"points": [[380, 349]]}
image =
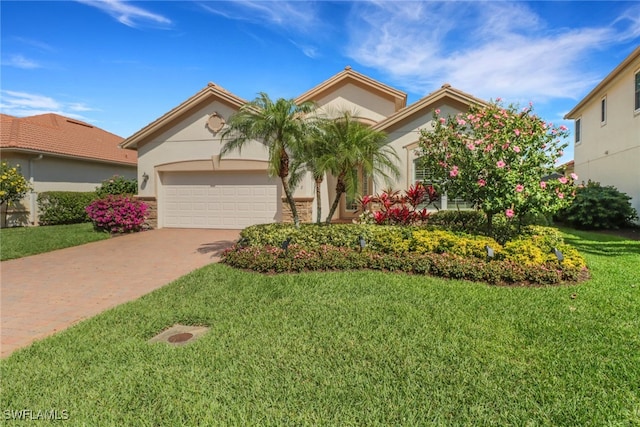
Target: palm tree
{"points": [[355, 146], [280, 125], [313, 156]]}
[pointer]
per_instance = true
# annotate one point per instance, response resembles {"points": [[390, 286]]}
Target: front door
{"points": [[349, 207]]}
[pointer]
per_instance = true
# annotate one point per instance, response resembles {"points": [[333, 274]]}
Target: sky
{"points": [[120, 65]]}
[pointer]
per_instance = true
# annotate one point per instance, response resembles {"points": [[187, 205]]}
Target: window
{"points": [[603, 111], [578, 130], [637, 91], [423, 175]]}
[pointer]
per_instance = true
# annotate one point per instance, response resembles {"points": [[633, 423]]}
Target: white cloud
{"points": [[299, 16], [490, 49], [20, 61], [127, 14], [21, 104]]}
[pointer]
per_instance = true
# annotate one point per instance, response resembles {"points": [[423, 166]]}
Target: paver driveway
{"points": [[46, 293]]}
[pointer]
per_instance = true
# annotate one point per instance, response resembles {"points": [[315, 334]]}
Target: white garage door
{"points": [[218, 199]]}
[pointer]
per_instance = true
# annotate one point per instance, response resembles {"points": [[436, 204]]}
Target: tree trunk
{"points": [[340, 190], [318, 200], [292, 203]]}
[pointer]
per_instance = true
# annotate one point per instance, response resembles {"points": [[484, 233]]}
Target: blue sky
{"points": [[120, 64]]}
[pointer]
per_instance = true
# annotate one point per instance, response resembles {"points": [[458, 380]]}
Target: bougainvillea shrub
{"points": [[117, 214]]}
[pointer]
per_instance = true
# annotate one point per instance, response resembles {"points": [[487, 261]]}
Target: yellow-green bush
{"points": [[442, 241]]}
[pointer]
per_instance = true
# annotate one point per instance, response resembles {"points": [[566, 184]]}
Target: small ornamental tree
{"points": [[498, 158], [13, 186]]}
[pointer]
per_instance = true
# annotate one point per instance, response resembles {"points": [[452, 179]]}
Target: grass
{"points": [[25, 241], [352, 348]]}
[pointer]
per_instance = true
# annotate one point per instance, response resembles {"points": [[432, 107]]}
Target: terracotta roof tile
{"points": [[55, 134]]}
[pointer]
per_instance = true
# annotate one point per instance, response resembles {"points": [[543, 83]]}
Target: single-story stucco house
{"points": [[183, 177], [58, 153]]}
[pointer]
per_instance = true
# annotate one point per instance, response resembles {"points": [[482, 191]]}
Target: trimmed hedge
{"points": [[528, 259], [64, 207]]}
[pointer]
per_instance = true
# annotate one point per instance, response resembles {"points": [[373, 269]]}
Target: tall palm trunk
{"points": [[319, 180], [341, 188], [284, 173]]}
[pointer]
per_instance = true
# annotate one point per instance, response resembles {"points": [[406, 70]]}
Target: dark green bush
{"points": [[599, 207], [64, 207], [117, 185]]}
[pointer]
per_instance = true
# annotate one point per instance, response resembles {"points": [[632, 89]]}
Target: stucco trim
{"points": [[425, 104], [165, 121], [349, 76], [215, 163]]}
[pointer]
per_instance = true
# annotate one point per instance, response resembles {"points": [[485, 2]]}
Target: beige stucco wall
{"points": [[403, 139], [357, 100], [51, 173], [610, 152], [191, 140]]}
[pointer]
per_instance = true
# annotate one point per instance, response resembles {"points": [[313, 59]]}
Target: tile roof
{"points": [[55, 134]]}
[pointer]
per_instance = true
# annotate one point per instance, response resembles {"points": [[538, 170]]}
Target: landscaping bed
{"points": [[529, 258]]}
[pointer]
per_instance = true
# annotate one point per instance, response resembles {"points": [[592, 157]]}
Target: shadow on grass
{"points": [[600, 244]]}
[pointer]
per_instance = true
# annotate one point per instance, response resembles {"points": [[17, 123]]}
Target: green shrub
{"points": [[64, 207], [117, 185], [599, 207], [418, 250]]}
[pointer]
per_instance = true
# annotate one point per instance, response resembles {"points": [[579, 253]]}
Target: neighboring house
{"points": [[57, 153], [607, 130], [182, 175]]}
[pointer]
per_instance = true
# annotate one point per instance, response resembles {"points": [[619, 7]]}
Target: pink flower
{"points": [[574, 176], [471, 146], [509, 213], [560, 196], [543, 185], [501, 164], [519, 188], [517, 132], [437, 111], [563, 127], [498, 99], [563, 179], [516, 148], [442, 120], [461, 122], [454, 172], [482, 182]]}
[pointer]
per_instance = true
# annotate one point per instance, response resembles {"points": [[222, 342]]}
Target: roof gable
{"points": [[627, 62], [64, 136], [347, 76], [426, 104], [206, 95]]}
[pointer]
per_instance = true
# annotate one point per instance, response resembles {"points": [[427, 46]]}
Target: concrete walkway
{"points": [[43, 294]]}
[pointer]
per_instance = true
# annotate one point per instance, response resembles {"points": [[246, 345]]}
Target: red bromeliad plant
{"points": [[396, 208]]}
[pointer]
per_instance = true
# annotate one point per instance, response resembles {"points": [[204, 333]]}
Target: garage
{"points": [[229, 200]]}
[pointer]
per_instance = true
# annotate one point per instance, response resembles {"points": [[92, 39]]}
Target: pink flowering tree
{"points": [[499, 158]]}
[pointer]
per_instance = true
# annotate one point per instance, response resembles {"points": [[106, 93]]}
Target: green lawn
{"points": [[354, 348], [25, 241]]}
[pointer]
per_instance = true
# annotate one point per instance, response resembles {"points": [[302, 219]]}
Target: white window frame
{"points": [[603, 110], [636, 92], [577, 130]]}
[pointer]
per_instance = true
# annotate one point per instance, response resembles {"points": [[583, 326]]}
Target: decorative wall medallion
{"points": [[215, 122]]}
